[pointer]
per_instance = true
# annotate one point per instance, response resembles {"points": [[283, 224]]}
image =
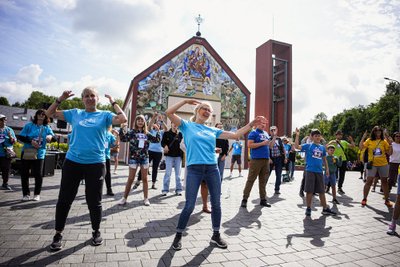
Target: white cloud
{"points": [[29, 74]]}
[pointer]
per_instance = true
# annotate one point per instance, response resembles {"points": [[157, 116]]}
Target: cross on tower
{"points": [[199, 20]]}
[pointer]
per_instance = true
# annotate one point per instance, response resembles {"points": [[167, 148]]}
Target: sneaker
{"points": [[6, 187], [364, 202], [308, 212], [391, 229], [153, 186], [264, 203], [373, 190], [335, 201], [56, 245], [110, 193], [301, 193], [115, 173], [26, 198], [146, 202], [360, 178], [230, 175], [136, 185], [177, 244], [178, 193], [36, 198], [328, 211], [277, 192], [122, 201], [97, 240], [244, 203], [240, 175], [164, 194], [217, 240], [340, 191], [388, 203]]}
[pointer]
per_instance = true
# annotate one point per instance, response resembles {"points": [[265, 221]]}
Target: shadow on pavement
{"points": [[314, 229], [243, 219]]}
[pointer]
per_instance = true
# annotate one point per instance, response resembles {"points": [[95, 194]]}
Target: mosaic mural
{"points": [[195, 74]]}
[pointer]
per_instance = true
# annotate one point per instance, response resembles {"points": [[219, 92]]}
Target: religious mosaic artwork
{"points": [[193, 73]]}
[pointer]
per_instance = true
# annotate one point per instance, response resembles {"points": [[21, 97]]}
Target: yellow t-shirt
{"points": [[377, 150]]}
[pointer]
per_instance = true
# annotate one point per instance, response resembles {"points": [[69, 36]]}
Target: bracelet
{"points": [[113, 103], [58, 101], [119, 113]]}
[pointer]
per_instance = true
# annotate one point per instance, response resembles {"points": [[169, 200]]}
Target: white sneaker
{"points": [[240, 175], [36, 197], [26, 198], [146, 202], [122, 201], [115, 172], [230, 175]]}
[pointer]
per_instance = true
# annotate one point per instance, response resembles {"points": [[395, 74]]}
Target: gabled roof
{"points": [[178, 50]]}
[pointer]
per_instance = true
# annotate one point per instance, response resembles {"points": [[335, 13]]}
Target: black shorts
{"points": [[237, 158]]}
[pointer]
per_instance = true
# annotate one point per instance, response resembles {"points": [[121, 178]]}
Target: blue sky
{"points": [[341, 49]]}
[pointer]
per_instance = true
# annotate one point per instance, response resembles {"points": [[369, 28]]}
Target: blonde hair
{"points": [[90, 89], [145, 124], [197, 108]]}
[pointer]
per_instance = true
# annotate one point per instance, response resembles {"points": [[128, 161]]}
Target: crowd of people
{"points": [[201, 148]]}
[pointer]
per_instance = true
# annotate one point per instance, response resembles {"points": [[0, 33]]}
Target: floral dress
{"points": [[138, 143]]}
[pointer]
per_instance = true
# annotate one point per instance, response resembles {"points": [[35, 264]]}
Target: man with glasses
{"points": [[7, 139]]}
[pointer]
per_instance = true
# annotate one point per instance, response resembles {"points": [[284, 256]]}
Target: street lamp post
{"points": [[393, 80]]}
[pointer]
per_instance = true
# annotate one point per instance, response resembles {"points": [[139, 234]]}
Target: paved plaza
{"points": [[136, 235]]}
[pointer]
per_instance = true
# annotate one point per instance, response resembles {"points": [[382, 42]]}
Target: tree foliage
{"points": [[4, 101]]}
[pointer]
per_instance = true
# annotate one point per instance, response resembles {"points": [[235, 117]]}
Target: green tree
{"points": [[4, 101], [36, 100]]}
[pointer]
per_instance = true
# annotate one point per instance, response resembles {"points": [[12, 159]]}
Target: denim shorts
{"points": [[331, 179], [134, 164]]}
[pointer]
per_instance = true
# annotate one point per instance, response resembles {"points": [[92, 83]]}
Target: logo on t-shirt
{"points": [[2, 138], [377, 152], [88, 122], [317, 153]]}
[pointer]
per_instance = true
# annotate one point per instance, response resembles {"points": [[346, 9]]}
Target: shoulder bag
{"points": [[30, 153]]}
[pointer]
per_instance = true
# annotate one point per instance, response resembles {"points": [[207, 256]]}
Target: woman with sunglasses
{"points": [[200, 142], [7, 139], [35, 136], [378, 147]]}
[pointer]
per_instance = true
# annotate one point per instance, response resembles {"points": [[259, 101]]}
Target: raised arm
{"points": [[245, 129], [171, 111], [121, 116], [361, 144], [296, 140], [52, 111]]}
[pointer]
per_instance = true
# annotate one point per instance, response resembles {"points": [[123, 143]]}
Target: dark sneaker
{"points": [[153, 186], [335, 201], [244, 203], [277, 192], [340, 191], [110, 193], [391, 229], [264, 203], [6, 187], [217, 240], [177, 244], [178, 193], [56, 245], [136, 185], [328, 211], [97, 240], [301, 193], [308, 212]]}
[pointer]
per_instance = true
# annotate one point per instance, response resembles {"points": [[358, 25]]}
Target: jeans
{"points": [[277, 164], [72, 174], [195, 174], [172, 162], [36, 167], [221, 167], [291, 166]]}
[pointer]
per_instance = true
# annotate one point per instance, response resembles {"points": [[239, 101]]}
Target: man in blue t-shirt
{"points": [[258, 142], [315, 154], [236, 156]]}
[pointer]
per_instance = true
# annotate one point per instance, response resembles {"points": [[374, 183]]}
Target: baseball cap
{"points": [[272, 128], [331, 146], [2, 116]]}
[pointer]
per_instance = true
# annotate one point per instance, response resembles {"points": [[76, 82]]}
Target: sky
{"points": [[341, 49]]}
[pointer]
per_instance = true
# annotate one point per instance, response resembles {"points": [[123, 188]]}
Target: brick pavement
{"points": [[136, 235]]}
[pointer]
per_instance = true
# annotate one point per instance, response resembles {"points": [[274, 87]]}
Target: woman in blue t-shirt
{"points": [[35, 136], [200, 142], [85, 158]]}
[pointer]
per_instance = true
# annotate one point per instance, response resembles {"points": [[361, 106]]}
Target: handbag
{"points": [[162, 165], [10, 153], [29, 154]]}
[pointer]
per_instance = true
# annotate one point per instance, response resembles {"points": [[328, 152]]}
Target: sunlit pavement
{"points": [[136, 235]]}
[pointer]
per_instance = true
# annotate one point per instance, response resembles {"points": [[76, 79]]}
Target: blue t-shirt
{"points": [[237, 148], [110, 143], [156, 147], [5, 139], [200, 141], [88, 140], [287, 149], [32, 131], [314, 157], [261, 152]]}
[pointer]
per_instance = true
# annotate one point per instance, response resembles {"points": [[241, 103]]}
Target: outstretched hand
{"points": [[65, 95], [297, 131], [109, 98]]}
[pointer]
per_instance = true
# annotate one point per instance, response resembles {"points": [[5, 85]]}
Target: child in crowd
{"points": [[330, 177], [314, 181], [139, 139]]}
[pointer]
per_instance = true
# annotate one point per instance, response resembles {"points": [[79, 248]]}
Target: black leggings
{"points": [[5, 165], [36, 168], [72, 174], [156, 158], [108, 174]]}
